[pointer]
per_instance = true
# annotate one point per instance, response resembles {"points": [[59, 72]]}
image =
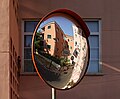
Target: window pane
{"points": [[93, 66], [49, 36], [28, 66], [94, 41], [27, 40], [27, 53], [29, 26], [93, 26], [49, 27], [49, 46], [94, 53]]}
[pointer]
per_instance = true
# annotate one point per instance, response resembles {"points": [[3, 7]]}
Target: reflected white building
{"points": [[77, 54]]}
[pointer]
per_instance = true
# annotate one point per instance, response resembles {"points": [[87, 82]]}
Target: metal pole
{"points": [[53, 93]]}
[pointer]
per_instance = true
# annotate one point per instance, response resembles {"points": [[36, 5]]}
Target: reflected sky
{"points": [[64, 23]]}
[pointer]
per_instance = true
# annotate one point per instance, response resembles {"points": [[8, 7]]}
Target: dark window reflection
{"points": [[28, 66], [49, 46], [29, 26], [27, 40], [49, 36], [49, 27], [27, 53]]}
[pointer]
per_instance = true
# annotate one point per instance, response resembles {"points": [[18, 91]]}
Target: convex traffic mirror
{"points": [[60, 49]]}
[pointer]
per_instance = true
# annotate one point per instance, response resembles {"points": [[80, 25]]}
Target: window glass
{"points": [[93, 26], [27, 40], [27, 53], [28, 66], [49, 27], [94, 41], [48, 46], [94, 53], [93, 66], [94, 46], [29, 26], [75, 43], [49, 36]]}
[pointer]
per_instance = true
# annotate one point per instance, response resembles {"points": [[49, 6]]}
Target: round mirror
{"points": [[60, 49]]}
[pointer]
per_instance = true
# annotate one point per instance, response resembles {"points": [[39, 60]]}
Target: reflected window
{"points": [[75, 35], [29, 26], [94, 27], [75, 43], [49, 36], [57, 30], [70, 47], [49, 27], [49, 46]]}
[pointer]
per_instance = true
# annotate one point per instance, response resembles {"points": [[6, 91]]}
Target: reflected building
{"points": [[53, 40], [77, 32], [77, 54], [70, 40]]}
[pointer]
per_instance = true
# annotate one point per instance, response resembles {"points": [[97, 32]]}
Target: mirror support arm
{"points": [[53, 93]]}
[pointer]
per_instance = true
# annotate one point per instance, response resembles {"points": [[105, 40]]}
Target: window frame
{"points": [[93, 33], [22, 44], [99, 33]]}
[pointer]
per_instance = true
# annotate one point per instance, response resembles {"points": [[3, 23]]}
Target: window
{"points": [[94, 40], [29, 26], [49, 27], [75, 43], [57, 30], [49, 36], [75, 35], [70, 47], [94, 27], [48, 46], [27, 29]]}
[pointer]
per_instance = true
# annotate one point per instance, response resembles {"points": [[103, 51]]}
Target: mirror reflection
{"points": [[60, 51]]}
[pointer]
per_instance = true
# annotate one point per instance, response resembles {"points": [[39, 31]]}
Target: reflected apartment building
{"points": [[18, 19], [53, 39]]}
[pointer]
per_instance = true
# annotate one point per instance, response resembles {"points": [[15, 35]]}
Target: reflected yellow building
{"points": [[70, 41]]}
